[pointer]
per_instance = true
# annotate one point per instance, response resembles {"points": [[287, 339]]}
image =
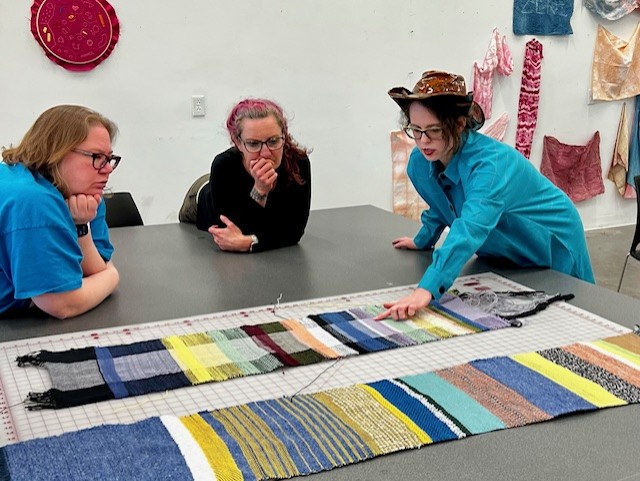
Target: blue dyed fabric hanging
{"points": [[634, 147], [542, 17]]}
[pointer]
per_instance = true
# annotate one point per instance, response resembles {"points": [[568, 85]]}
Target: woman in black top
{"points": [[259, 191]]}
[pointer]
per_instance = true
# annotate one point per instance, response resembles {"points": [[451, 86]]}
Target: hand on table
{"points": [[404, 243], [407, 306], [230, 238]]}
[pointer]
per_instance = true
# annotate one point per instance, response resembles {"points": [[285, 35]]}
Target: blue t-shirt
{"points": [[39, 250], [498, 205]]}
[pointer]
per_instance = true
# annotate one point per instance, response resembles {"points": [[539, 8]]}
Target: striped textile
{"points": [[281, 438], [93, 374]]}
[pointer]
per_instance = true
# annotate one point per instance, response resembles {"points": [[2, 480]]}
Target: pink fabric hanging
{"points": [[576, 169], [529, 97], [498, 58], [498, 128]]}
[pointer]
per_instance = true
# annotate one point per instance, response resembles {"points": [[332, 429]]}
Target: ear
{"points": [[461, 123]]}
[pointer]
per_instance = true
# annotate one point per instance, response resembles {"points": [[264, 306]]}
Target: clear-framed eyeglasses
{"points": [[432, 133], [100, 160], [254, 146]]}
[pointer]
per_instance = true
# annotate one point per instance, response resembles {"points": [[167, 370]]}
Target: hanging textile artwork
{"points": [[576, 169], [615, 72], [304, 434], [76, 35], [529, 97], [498, 128], [498, 57], [634, 153], [542, 17], [406, 200], [93, 374], [620, 159], [611, 9]]}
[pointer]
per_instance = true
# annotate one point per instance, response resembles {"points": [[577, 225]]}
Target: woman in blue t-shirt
{"points": [[54, 241], [494, 201]]}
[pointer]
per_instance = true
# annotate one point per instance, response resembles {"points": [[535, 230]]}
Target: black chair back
{"points": [[122, 210]]}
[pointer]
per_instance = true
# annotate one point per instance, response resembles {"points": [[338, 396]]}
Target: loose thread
{"points": [[7, 408], [315, 379], [277, 304], [141, 404]]}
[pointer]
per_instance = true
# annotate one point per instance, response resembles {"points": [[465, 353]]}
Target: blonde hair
{"points": [[55, 133]]}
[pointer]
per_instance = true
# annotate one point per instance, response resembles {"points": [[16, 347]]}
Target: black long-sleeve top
{"points": [[280, 223]]}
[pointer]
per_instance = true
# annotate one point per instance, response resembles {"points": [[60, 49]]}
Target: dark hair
{"points": [[448, 109], [260, 109]]}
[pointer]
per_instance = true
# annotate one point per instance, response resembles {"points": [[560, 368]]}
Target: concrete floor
{"points": [[608, 249]]}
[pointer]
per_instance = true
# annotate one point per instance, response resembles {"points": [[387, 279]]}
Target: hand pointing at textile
{"points": [[407, 306]]}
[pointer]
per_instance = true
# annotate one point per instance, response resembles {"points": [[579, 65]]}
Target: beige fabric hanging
{"points": [[616, 66], [406, 201], [620, 160]]}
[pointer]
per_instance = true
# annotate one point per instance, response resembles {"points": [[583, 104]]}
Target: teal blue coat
{"points": [[496, 204]]}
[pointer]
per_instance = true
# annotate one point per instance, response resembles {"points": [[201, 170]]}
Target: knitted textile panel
{"points": [[93, 374], [285, 437]]}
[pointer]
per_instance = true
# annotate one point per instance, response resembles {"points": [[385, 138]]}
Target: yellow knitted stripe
{"points": [[215, 360], [586, 389], [213, 447], [618, 351], [340, 413], [266, 455], [337, 410], [200, 358], [413, 427], [387, 433], [438, 325], [192, 368]]}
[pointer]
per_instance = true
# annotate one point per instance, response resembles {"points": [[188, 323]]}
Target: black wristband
{"points": [[82, 229]]}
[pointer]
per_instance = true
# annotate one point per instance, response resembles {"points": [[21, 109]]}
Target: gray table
{"points": [[171, 271]]}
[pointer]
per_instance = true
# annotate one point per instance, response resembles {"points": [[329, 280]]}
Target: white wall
{"points": [[329, 63]]}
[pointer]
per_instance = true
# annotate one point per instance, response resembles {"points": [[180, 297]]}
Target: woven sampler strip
{"points": [[281, 438], [93, 374]]}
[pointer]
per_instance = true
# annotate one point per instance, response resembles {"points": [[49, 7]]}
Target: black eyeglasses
{"points": [[101, 160], [432, 133], [253, 146]]}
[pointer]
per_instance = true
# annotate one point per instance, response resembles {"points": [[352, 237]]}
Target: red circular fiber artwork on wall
{"points": [[76, 34]]}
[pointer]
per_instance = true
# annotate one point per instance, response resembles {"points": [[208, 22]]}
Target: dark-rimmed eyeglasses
{"points": [[254, 146], [100, 160], [432, 133]]}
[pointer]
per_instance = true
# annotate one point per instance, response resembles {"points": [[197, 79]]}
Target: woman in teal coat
{"points": [[493, 200]]}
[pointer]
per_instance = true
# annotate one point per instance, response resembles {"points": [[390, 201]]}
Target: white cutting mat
{"points": [[559, 324]]}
